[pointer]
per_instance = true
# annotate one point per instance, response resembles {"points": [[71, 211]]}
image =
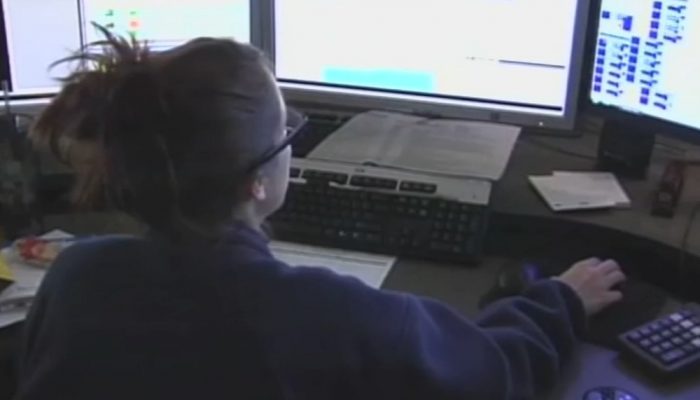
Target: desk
{"points": [[514, 196], [648, 246], [516, 206], [591, 365]]}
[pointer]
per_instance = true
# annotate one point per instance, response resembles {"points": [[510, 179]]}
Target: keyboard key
{"points": [[594, 396], [645, 331], [690, 348], [687, 336], [677, 329], [655, 338], [696, 331], [666, 322], [634, 336], [666, 345], [677, 341], [418, 187], [645, 343], [686, 313], [696, 343], [687, 324], [374, 238], [373, 182], [672, 356], [676, 317], [655, 326], [656, 350], [666, 334]]}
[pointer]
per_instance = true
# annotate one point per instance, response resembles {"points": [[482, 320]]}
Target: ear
{"points": [[257, 189]]}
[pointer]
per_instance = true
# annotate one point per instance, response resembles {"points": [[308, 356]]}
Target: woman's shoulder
{"points": [[101, 249]]}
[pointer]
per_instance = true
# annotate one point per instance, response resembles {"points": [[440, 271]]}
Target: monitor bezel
{"points": [[5, 59], [34, 100], [435, 106], [624, 116]]}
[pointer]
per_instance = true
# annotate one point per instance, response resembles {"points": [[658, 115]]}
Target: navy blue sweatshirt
{"points": [[144, 318]]}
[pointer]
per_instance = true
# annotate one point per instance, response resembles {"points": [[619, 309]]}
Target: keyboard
{"points": [[667, 345], [384, 211]]}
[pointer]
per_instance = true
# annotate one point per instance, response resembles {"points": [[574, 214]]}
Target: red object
{"points": [[669, 190], [38, 251]]}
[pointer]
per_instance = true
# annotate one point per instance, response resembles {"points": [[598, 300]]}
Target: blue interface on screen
{"points": [[40, 32], [647, 59]]}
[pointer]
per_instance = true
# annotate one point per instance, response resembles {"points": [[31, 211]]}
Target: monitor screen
{"points": [[647, 59], [496, 55], [39, 32]]}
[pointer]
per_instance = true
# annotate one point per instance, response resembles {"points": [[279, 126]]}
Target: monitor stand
{"points": [[625, 149]]}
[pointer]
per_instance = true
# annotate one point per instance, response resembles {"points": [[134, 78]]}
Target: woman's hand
{"points": [[593, 280]]}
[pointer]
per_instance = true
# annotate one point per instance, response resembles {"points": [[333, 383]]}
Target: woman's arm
{"points": [[514, 350]]}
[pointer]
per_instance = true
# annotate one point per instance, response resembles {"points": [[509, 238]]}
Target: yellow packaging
{"points": [[6, 275]]}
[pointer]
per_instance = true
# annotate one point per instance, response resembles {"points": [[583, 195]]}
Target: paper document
{"points": [[12, 317], [559, 196], [371, 269], [15, 300], [438, 146], [599, 183]]}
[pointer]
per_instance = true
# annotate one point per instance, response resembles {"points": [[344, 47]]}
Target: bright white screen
{"points": [[40, 32], [648, 58], [510, 52]]}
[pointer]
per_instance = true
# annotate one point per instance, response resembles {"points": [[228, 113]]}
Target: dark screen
{"points": [[4, 57]]}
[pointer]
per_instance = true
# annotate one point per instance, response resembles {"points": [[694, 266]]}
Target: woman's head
{"points": [[178, 139]]}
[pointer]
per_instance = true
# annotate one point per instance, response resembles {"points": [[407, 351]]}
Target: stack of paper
{"points": [[371, 269], [568, 191], [16, 299], [439, 146]]}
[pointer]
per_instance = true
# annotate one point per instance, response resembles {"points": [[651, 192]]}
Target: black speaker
{"points": [[625, 150]]}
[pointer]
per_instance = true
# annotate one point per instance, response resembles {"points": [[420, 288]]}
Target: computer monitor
{"points": [[646, 65], [39, 32], [509, 61]]}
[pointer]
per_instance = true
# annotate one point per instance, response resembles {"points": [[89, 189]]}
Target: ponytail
{"points": [[109, 123], [162, 136]]}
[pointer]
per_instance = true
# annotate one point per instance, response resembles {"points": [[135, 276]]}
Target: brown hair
{"points": [[162, 136]]}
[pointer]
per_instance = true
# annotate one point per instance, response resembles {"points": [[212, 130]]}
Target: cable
{"points": [[684, 249], [6, 98], [557, 149]]}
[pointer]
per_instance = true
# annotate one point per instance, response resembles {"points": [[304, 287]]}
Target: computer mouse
{"points": [[512, 279], [609, 393], [515, 279]]}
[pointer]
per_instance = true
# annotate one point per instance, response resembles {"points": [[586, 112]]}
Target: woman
{"points": [[192, 142]]}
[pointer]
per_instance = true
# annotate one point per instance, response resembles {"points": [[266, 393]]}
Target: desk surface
{"points": [[461, 287], [591, 365], [514, 195]]}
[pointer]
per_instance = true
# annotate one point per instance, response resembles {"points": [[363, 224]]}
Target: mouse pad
{"points": [[641, 303]]}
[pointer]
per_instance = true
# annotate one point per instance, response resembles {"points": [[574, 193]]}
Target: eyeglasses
{"points": [[296, 121]]}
